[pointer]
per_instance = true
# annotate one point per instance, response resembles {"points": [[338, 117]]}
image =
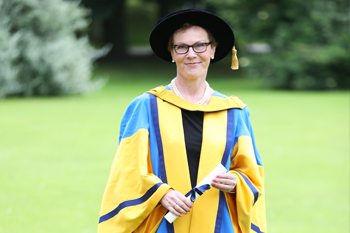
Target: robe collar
{"points": [[215, 104]]}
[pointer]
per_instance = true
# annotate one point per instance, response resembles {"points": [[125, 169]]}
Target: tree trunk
{"points": [[114, 31]]}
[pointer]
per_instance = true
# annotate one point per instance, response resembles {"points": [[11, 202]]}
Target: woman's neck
{"points": [[192, 90]]}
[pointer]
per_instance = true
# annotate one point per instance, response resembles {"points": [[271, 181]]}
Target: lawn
{"points": [[56, 153]]}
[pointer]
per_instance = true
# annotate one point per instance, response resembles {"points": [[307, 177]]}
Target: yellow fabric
{"points": [[216, 103], [240, 204], [129, 179], [258, 212], [176, 164], [213, 147], [151, 223], [131, 174]]}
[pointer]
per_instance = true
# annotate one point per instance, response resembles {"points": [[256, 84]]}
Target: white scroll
{"points": [[220, 169]]}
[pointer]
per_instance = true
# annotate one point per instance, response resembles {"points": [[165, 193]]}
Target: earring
{"points": [[212, 57], [173, 61]]}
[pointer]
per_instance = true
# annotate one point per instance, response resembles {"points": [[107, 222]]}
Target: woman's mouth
{"points": [[192, 64]]}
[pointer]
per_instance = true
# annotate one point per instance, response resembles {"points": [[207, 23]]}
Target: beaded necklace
{"points": [[204, 98]]}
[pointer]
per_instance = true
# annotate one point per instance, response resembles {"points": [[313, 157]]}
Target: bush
{"points": [[309, 41], [41, 53]]}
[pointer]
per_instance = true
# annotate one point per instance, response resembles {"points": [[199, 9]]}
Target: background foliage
{"points": [[46, 52], [309, 41], [41, 52]]}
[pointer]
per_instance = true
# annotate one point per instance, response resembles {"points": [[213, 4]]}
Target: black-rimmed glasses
{"points": [[198, 48]]}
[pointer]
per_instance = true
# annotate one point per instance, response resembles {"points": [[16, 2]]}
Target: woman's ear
{"points": [[172, 57], [212, 55]]}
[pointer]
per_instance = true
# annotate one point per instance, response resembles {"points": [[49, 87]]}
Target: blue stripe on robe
{"points": [[155, 120], [256, 228], [130, 203], [251, 186]]}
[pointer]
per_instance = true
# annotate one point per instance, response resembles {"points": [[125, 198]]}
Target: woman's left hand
{"points": [[225, 182]]}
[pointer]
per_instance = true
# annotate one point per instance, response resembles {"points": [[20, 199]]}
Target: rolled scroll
{"points": [[197, 191]]}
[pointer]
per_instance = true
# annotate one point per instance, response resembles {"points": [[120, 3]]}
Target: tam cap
{"points": [[166, 26]]}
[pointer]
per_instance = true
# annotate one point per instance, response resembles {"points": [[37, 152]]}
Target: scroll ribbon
{"points": [[199, 190]]}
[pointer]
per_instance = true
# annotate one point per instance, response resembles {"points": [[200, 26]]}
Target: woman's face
{"points": [[192, 65]]}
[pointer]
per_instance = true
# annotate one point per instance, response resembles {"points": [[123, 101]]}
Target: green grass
{"points": [[55, 153]]}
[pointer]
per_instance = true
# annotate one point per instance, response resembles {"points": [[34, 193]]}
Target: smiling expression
{"points": [[192, 65]]}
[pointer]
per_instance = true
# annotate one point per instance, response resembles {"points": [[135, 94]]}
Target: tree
{"points": [[167, 6], [41, 52], [112, 15], [110, 19], [309, 40]]}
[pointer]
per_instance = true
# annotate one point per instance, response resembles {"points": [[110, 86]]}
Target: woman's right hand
{"points": [[176, 203]]}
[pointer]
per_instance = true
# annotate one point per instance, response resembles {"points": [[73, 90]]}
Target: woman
{"points": [[171, 137]]}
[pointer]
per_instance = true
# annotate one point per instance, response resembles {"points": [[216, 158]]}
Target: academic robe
{"points": [[151, 160]]}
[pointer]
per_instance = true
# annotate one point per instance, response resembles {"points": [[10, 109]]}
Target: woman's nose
{"points": [[191, 52]]}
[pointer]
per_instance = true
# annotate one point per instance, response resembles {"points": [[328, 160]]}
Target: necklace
{"points": [[204, 98]]}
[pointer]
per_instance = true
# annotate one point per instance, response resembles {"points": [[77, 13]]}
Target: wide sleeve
{"points": [[132, 191], [247, 205]]}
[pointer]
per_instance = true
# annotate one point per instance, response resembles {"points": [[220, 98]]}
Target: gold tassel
{"points": [[234, 64]]}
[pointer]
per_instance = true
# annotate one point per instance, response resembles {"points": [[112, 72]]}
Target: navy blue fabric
{"points": [[163, 227], [200, 190], [169, 227], [130, 203], [220, 213], [229, 136], [256, 228], [251, 186], [154, 112], [225, 157], [227, 225]]}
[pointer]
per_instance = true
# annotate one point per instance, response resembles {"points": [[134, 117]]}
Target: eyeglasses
{"points": [[198, 48]]}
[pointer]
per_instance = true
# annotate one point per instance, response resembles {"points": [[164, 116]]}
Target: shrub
{"points": [[41, 52], [309, 41]]}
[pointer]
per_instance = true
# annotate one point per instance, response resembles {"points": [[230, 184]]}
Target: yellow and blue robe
{"points": [[151, 160]]}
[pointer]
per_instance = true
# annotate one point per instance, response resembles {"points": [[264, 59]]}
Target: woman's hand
{"points": [[225, 182], [176, 203]]}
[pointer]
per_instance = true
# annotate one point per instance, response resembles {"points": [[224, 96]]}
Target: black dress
{"points": [[193, 129]]}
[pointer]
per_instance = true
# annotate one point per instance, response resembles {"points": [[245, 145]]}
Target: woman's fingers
{"points": [[225, 182], [175, 211], [184, 203], [176, 203], [179, 210], [223, 187]]}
